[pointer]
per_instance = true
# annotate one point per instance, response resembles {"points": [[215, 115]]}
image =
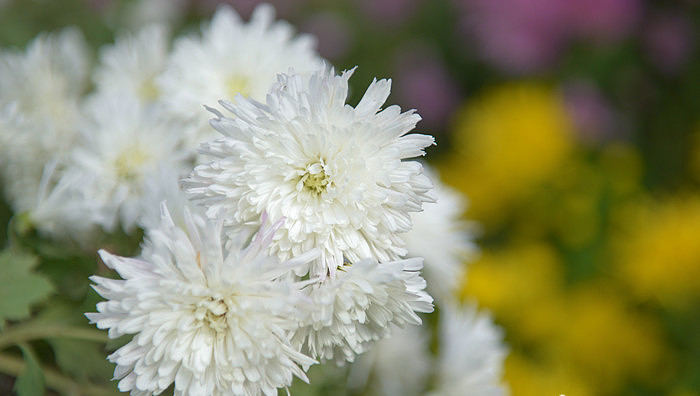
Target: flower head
{"points": [[213, 321], [47, 78], [40, 89], [495, 138], [336, 173], [232, 58], [657, 255], [122, 143], [132, 64], [358, 306]]}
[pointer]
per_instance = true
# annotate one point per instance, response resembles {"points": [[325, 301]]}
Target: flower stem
{"points": [[33, 331], [54, 379]]}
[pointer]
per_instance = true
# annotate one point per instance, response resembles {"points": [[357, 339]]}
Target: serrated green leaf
{"points": [[80, 359], [20, 287], [31, 381]]}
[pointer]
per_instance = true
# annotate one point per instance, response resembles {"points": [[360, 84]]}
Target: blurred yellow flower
{"points": [[527, 377], [609, 342], [505, 142], [657, 250], [521, 285], [561, 336]]}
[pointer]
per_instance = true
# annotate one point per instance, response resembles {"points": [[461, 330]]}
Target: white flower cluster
{"points": [[145, 114], [220, 301]]}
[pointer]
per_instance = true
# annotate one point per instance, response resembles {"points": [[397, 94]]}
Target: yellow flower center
{"points": [[212, 312], [237, 84], [127, 164], [149, 91], [315, 179]]}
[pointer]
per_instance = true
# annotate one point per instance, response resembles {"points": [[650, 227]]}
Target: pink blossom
{"points": [[603, 20], [333, 35], [516, 35], [591, 112], [389, 11], [421, 81], [668, 40]]}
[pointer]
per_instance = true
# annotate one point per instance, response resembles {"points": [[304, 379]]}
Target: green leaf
{"points": [[31, 381], [81, 360], [20, 287]]}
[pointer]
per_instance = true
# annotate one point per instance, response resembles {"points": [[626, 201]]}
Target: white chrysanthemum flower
{"points": [[213, 321], [39, 93], [395, 366], [471, 354], [336, 173], [443, 239], [358, 306], [232, 58], [132, 64], [46, 79], [123, 142]]}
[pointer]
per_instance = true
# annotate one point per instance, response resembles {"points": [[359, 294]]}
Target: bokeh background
{"points": [[573, 126]]}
